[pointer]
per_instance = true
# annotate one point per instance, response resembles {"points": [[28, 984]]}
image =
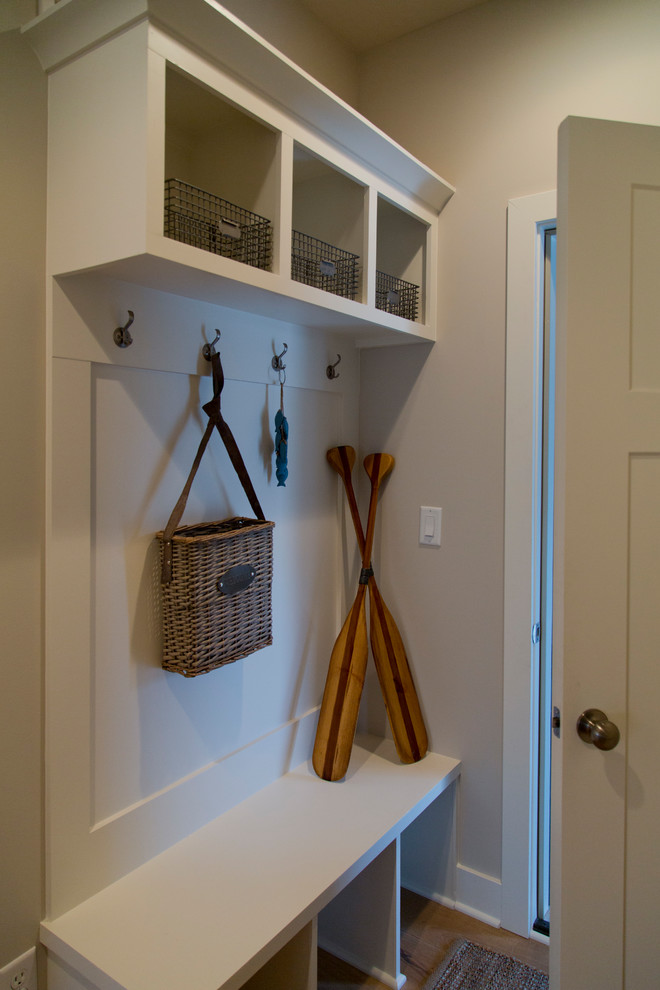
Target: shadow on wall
{"points": [[395, 370], [266, 441]]}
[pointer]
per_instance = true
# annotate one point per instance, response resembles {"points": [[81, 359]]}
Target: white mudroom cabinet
{"points": [[199, 181]]}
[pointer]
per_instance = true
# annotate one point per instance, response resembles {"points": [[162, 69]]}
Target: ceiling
{"points": [[363, 24]]}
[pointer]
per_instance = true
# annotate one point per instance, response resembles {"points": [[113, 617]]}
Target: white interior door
{"points": [[606, 804]]}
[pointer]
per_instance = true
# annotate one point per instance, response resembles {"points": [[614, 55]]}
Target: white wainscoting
{"points": [[138, 758]]}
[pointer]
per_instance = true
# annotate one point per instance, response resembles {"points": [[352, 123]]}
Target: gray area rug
{"points": [[471, 967]]}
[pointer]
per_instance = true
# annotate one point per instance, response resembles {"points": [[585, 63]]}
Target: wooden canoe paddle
{"points": [[348, 662], [396, 682]]}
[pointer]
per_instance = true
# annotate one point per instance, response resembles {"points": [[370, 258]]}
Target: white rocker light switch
{"points": [[430, 525]]}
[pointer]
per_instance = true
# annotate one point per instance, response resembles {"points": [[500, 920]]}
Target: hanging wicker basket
{"points": [[216, 577]]}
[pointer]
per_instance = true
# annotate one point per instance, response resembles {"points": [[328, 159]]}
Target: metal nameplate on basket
{"points": [[229, 229], [236, 579], [327, 267], [393, 297]]}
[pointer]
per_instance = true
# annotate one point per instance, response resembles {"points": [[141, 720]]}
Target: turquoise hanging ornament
{"points": [[281, 440]]}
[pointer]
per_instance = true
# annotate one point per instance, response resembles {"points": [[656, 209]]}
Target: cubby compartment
{"points": [[222, 183], [211, 167], [401, 248], [327, 245]]}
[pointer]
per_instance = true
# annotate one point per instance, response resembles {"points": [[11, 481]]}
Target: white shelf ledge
{"points": [[224, 282]]}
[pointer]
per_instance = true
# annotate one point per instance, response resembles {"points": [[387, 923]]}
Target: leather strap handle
{"points": [[212, 409], [216, 421]]}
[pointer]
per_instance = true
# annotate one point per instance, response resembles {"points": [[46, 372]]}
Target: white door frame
{"points": [[525, 261]]}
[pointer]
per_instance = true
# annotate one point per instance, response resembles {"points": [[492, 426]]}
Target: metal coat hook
{"points": [[330, 370], [121, 336], [208, 350], [277, 363]]}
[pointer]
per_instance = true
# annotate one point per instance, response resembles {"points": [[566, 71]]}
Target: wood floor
{"points": [[427, 932]]}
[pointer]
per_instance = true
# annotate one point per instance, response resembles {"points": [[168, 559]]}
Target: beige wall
{"points": [[22, 193], [479, 99]]}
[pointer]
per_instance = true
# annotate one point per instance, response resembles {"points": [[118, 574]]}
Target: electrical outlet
{"points": [[21, 974]]}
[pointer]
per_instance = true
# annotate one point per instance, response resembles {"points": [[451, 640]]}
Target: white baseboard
{"points": [[430, 895], [378, 974], [477, 895]]}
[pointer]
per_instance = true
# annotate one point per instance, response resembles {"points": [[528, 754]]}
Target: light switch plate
{"points": [[430, 526]]}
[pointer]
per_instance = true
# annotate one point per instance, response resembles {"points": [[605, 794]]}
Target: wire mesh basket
{"points": [[393, 295], [324, 266], [197, 217]]}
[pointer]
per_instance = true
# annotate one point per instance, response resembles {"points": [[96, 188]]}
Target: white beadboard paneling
{"points": [[151, 728], [156, 755]]}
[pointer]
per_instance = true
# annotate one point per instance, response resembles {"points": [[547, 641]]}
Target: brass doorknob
{"points": [[593, 726]]}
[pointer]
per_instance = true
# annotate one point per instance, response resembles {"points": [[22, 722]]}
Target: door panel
{"points": [[642, 798], [645, 339], [605, 804]]}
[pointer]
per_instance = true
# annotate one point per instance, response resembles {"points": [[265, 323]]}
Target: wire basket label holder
{"points": [[324, 266], [395, 295], [203, 220]]}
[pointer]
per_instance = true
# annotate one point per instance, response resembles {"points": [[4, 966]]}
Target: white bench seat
{"points": [[212, 910]]}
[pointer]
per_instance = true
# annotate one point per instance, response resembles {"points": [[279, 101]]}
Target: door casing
{"points": [[524, 362]]}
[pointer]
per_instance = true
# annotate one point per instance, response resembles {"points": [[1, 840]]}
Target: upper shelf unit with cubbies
{"points": [[187, 154]]}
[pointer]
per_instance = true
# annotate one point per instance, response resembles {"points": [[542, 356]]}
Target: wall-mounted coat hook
{"points": [[277, 363], [208, 350], [121, 336], [331, 371]]}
